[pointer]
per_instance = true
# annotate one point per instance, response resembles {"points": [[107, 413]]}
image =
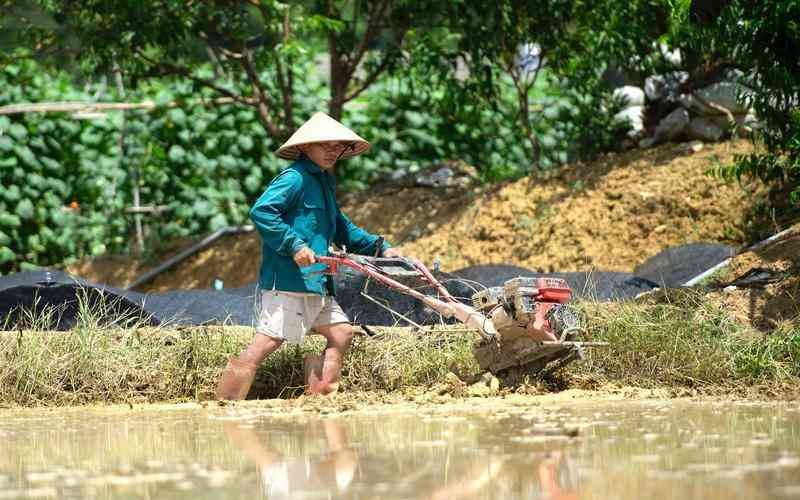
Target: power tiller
{"points": [[524, 323]]}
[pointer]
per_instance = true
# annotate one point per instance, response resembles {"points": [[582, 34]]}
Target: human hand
{"points": [[393, 252], [305, 257]]}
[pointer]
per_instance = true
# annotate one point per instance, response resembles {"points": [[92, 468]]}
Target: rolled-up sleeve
{"points": [[282, 195], [355, 239]]}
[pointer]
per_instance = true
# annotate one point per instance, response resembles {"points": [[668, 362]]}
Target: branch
{"points": [[720, 109], [170, 68], [264, 102], [372, 25], [370, 79], [285, 81], [94, 107]]}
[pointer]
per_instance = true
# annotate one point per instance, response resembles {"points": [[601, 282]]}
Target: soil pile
{"points": [[611, 215], [762, 287], [758, 288]]}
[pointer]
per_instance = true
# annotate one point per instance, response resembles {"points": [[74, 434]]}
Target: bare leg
{"points": [[338, 337], [239, 373], [258, 350]]}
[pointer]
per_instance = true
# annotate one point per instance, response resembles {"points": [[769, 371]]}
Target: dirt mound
{"points": [[762, 287], [758, 287], [610, 215]]}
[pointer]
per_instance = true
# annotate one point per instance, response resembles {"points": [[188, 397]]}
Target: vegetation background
{"points": [[512, 87]]}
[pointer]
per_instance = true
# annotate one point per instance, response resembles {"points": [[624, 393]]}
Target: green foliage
{"points": [[66, 185], [765, 36]]}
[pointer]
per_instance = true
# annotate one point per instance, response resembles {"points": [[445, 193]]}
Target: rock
{"points": [[704, 129], [722, 93], [635, 116], [666, 86], [672, 125], [647, 142], [673, 57], [693, 147], [630, 95], [449, 174]]}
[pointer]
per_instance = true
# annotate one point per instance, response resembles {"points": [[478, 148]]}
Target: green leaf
{"points": [[177, 116], [252, 183], [8, 162], [9, 220], [176, 154], [245, 142], [6, 255], [227, 162], [18, 131], [51, 165], [12, 193], [25, 209], [218, 222], [28, 158], [6, 144]]}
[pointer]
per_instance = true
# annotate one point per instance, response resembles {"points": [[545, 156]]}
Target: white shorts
{"points": [[290, 316]]}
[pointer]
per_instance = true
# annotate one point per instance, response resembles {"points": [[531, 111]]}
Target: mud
{"points": [[514, 448]]}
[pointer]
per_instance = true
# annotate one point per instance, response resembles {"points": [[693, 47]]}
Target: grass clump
{"points": [[688, 341], [105, 359]]}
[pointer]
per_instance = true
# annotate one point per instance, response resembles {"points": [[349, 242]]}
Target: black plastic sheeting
{"points": [[62, 293], [675, 266], [58, 298]]}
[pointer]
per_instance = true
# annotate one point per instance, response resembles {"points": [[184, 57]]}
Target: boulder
{"points": [[748, 120], [633, 115], [704, 129], [666, 86], [672, 125], [630, 95], [726, 94], [674, 57]]}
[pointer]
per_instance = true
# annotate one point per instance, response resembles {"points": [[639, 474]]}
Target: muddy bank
{"points": [[707, 355]]}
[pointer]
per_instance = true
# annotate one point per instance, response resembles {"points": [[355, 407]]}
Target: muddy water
{"points": [[476, 449]]}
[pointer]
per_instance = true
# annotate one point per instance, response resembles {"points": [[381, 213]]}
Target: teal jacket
{"points": [[299, 209]]}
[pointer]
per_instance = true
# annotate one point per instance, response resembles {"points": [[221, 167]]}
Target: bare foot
{"points": [[312, 369]]}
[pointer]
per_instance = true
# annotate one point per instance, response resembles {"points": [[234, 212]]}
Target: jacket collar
{"points": [[310, 166]]}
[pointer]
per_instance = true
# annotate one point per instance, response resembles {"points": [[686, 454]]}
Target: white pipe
{"points": [[761, 244]]}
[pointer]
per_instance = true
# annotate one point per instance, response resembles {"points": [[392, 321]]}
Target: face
{"points": [[324, 154]]}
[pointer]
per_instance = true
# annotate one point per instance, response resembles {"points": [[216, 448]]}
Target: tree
{"points": [[253, 45], [764, 38]]}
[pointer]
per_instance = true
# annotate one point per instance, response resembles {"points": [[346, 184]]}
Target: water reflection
{"points": [[282, 476], [433, 470], [491, 449]]}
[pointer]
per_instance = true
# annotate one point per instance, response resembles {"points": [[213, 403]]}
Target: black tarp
{"points": [[236, 306], [58, 296], [675, 266]]}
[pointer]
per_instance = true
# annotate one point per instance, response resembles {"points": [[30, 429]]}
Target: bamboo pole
{"points": [[89, 107]]}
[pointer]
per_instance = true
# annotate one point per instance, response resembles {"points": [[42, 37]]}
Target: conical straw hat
{"points": [[322, 128]]}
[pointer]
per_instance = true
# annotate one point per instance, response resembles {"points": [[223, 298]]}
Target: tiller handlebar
{"points": [[447, 305]]}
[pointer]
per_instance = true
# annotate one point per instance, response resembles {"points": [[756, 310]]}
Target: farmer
{"points": [[298, 218]]}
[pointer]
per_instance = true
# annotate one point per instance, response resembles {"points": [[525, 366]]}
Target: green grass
{"points": [[685, 340], [677, 340]]}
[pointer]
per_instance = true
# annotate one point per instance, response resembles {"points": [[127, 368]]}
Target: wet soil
{"points": [[492, 448]]}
